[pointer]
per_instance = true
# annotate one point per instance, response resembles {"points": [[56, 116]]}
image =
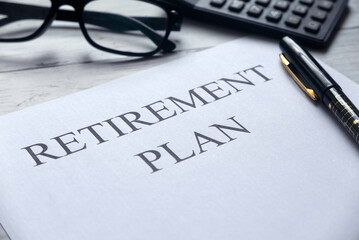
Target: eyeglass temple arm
{"points": [[16, 12]]}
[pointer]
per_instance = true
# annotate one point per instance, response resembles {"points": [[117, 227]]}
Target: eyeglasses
{"points": [[127, 27]]}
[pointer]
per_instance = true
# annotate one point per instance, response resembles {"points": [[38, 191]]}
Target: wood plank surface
{"points": [[61, 62]]}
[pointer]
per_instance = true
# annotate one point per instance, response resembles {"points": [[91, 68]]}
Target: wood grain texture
{"points": [[61, 62]]}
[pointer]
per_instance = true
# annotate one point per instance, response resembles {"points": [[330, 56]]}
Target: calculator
{"points": [[309, 21]]}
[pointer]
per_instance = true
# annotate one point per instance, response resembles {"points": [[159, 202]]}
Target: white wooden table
{"points": [[61, 62]]}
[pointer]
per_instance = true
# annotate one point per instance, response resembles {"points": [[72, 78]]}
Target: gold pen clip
{"points": [[310, 92]]}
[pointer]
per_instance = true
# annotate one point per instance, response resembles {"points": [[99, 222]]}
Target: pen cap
{"points": [[314, 74]]}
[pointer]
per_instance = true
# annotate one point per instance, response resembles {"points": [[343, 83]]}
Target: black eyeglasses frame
{"points": [[174, 19]]}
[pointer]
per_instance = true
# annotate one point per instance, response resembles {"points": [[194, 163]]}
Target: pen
{"points": [[319, 85]]}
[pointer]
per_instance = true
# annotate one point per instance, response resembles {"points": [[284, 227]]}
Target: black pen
{"points": [[319, 85]]}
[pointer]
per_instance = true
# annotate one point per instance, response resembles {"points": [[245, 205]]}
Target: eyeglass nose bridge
{"points": [[76, 4], [56, 12]]}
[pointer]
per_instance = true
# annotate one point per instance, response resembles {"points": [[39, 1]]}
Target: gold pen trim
{"points": [[308, 91]]}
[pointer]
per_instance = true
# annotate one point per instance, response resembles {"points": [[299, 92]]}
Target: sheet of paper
{"points": [[218, 145]]}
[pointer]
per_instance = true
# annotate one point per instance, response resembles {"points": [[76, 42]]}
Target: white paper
{"points": [[294, 176]]}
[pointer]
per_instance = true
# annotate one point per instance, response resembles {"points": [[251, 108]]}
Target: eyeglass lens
{"points": [[127, 25], [18, 19]]}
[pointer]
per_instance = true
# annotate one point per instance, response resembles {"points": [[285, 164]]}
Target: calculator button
{"points": [[319, 15], [255, 11], [218, 3], [236, 6], [307, 2], [325, 5], [274, 15], [293, 21], [300, 10], [312, 26], [263, 2], [282, 5]]}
